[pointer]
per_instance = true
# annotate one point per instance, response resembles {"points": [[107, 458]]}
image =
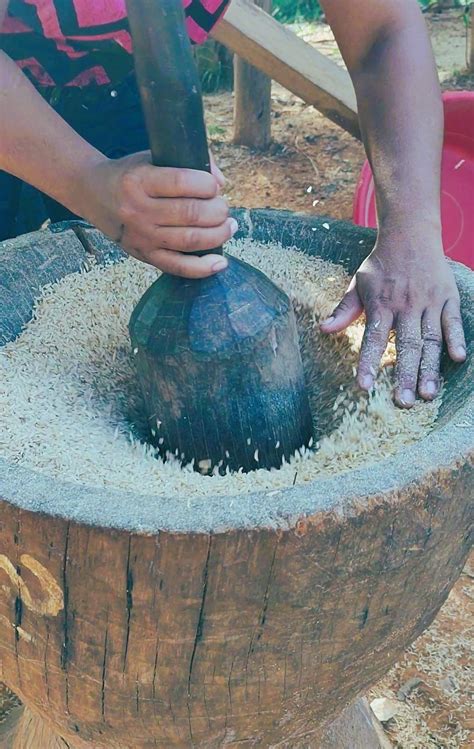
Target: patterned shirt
{"points": [[78, 42]]}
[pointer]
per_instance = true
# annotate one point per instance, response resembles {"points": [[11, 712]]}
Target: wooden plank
{"points": [[253, 101], [275, 50]]}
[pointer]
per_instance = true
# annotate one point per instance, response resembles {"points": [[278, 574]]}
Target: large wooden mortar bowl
{"points": [[128, 622]]}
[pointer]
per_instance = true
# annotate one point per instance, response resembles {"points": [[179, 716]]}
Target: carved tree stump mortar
{"points": [[130, 622]]}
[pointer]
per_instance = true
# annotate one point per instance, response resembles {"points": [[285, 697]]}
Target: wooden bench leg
{"points": [[24, 730], [356, 728]]}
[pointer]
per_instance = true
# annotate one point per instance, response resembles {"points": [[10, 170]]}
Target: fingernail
{"points": [[430, 387], [460, 352], [219, 265], [328, 320], [367, 382], [233, 226], [407, 397]]}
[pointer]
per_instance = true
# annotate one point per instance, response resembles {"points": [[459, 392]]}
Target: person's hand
{"points": [[160, 215], [405, 284]]}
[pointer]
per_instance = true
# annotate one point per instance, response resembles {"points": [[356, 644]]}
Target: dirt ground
{"points": [[313, 166]]}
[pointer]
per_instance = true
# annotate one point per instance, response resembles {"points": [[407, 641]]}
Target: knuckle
{"points": [[374, 333], [126, 213], [146, 256], [192, 212], [409, 343], [455, 320], [433, 339], [189, 239], [129, 181], [179, 182], [343, 305], [221, 210]]}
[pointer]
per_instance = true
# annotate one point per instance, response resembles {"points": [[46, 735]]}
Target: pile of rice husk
{"points": [[69, 394], [7, 702], [429, 692]]}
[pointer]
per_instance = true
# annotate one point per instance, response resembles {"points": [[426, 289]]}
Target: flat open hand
{"points": [[405, 284]]}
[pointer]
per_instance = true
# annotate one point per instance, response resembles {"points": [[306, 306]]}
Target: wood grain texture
{"points": [[275, 50], [252, 101]]}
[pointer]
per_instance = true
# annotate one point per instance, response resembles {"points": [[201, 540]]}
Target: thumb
{"points": [[349, 309]]}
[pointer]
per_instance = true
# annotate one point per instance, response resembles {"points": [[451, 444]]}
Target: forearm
{"points": [[38, 146], [401, 118]]}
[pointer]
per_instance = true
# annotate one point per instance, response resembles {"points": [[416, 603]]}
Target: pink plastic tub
{"points": [[457, 181]]}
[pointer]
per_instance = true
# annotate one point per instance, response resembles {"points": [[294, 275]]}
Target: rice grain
{"points": [[69, 394]]}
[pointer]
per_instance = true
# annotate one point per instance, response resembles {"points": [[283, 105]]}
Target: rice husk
{"points": [[69, 395]]}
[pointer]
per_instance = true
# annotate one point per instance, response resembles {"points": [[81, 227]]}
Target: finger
{"points": [[349, 309], [194, 239], [185, 212], [451, 322], [187, 266], [377, 330], [409, 347], [428, 379], [161, 182], [216, 172]]}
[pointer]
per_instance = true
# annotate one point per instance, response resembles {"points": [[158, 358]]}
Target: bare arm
{"points": [[157, 214], [37, 145], [406, 283]]}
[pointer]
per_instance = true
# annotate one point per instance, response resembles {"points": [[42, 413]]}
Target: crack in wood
{"points": [[206, 706], [16, 539], [129, 600], [104, 675], [199, 631], [229, 686], [258, 631], [66, 644], [155, 666], [18, 614], [363, 617], [45, 664]]}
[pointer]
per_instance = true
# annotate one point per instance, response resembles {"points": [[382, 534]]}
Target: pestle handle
{"points": [[169, 86]]}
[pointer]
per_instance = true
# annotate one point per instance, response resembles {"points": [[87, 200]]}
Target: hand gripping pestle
{"points": [[217, 359]]}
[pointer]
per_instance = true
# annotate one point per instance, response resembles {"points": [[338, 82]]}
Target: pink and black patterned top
{"points": [[77, 42]]}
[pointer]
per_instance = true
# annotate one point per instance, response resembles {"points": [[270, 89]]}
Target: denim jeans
{"points": [[110, 118]]}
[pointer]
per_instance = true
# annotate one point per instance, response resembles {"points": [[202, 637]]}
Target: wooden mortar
{"points": [[133, 622]]}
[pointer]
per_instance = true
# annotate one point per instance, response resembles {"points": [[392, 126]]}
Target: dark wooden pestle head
{"points": [[221, 370], [217, 359]]}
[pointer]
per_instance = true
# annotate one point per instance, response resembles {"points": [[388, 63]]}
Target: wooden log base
{"points": [[356, 728]]}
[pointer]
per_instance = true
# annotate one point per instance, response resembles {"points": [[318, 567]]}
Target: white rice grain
{"points": [[67, 386]]}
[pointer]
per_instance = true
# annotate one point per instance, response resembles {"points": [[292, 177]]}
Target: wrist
{"points": [[414, 224], [84, 185], [412, 238], [89, 187]]}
